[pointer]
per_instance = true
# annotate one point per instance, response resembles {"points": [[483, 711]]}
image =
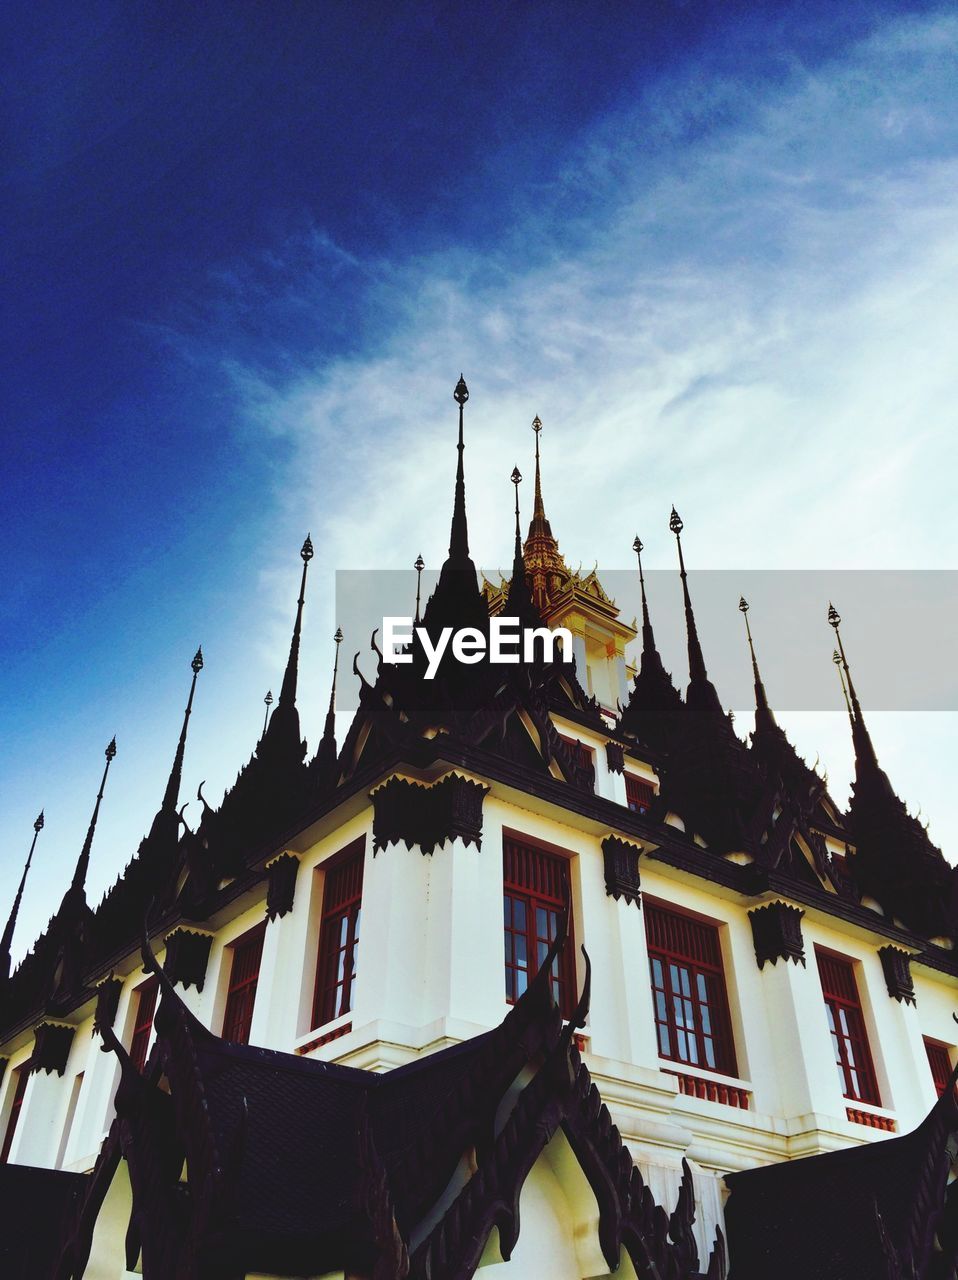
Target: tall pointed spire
{"points": [[764, 717], [547, 570], [539, 524], [83, 862], [654, 700], [865, 756], [323, 764], [648, 639], [287, 694], [519, 600], [459, 532], [419, 565], [6, 942], [330, 729], [894, 861], [457, 600], [837, 659], [282, 732], [701, 695], [171, 795]]}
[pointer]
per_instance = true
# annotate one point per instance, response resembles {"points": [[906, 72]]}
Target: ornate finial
{"points": [[83, 862], [269, 702], [516, 477], [837, 659], [764, 719], [537, 424], [289, 721], [701, 694], [419, 565], [461, 393], [167, 809], [338, 637], [865, 756], [638, 546], [7, 940]]}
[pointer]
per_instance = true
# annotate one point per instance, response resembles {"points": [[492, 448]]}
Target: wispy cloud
{"points": [[735, 295]]}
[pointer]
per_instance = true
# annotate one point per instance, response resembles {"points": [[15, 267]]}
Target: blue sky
{"points": [[248, 249]]}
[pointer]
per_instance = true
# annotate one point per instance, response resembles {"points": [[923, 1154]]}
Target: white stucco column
{"points": [[37, 1135], [392, 973], [806, 1077], [899, 1051]]}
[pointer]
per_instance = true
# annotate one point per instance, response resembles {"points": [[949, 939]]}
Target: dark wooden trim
{"points": [[896, 966], [777, 933], [281, 885]]}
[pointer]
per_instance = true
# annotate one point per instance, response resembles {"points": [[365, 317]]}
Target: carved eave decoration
{"points": [[187, 957], [777, 933], [427, 815], [281, 884], [896, 966], [621, 862], [107, 1003], [51, 1049]]}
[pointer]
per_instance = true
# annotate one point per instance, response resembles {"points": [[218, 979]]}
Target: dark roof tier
{"points": [[881, 1210]]}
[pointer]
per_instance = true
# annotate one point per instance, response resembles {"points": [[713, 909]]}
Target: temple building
{"points": [[541, 973]]}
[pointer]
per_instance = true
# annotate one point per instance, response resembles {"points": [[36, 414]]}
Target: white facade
{"points": [[430, 974]]}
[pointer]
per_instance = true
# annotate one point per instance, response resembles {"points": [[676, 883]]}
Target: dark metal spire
{"points": [[323, 765], [171, 795], [459, 533], [83, 862], [519, 600], [865, 757], [330, 730], [654, 701], [702, 695], [419, 565], [6, 941], [539, 524], [268, 700], [837, 659], [764, 718], [648, 639], [287, 694], [457, 601]]}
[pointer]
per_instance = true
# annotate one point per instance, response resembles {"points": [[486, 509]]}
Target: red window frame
{"points": [[145, 995], [689, 996], [939, 1060], [638, 793], [846, 1026], [241, 993], [336, 962], [23, 1077], [536, 891]]}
